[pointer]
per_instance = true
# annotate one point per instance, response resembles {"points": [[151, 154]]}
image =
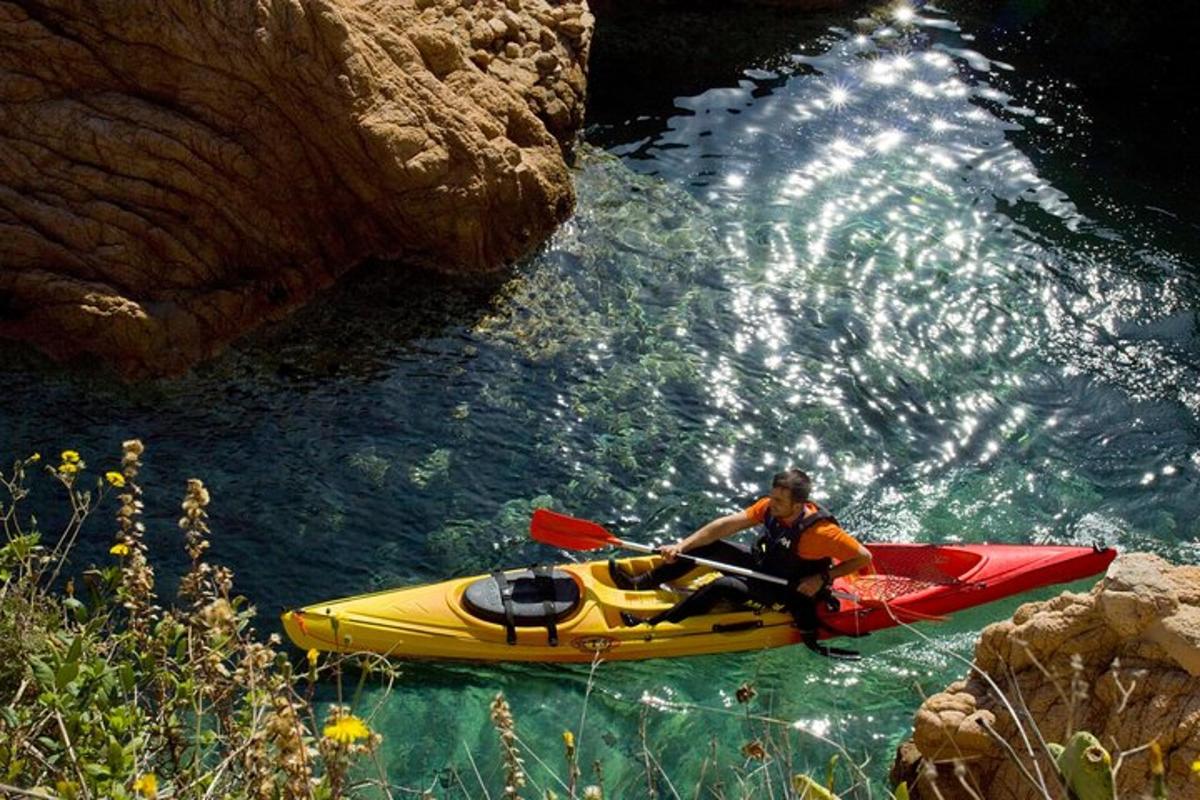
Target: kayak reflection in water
{"points": [[801, 542]]}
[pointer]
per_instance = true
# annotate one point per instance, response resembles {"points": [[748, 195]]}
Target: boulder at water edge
{"points": [[1122, 662], [174, 172]]}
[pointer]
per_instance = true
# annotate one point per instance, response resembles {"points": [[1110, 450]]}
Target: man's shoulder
{"points": [[758, 511], [832, 529]]}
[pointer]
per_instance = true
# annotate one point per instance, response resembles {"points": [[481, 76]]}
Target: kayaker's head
{"points": [[789, 493]]}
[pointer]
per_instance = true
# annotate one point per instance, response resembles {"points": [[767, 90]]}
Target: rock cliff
{"points": [[174, 172], [1122, 662]]}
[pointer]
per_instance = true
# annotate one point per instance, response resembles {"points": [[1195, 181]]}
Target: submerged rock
{"points": [[174, 173], [1122, 663]]}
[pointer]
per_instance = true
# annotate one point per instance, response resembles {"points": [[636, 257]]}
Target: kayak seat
{"points": [[536, 598]]}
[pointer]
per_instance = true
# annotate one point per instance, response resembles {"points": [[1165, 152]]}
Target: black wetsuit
{"points": [[773, 553]]}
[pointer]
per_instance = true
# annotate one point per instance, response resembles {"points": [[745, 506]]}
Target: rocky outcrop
{"points": [[174, 172], [1122, 662]]}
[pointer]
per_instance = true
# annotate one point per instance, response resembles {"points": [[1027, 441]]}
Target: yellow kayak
{"points": [[465, 619], [572, 612]]}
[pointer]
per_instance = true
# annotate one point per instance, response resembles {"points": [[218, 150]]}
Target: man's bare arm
{"points": [[851, 565], [812, 584], [708, 533]]}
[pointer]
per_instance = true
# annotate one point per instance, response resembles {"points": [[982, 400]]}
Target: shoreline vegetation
{"points": [[105, 692]]}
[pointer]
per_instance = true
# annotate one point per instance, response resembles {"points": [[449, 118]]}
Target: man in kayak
{"points": [[802, 542]]}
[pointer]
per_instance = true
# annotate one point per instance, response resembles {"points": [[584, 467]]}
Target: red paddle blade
{"points": [[568, 533]]}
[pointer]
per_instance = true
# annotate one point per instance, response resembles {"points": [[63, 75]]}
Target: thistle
{"points": [[194, 523], [502, 718], [136, 589]]}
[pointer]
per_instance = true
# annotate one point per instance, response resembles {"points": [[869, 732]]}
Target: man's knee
{"points": [[730, 586]]}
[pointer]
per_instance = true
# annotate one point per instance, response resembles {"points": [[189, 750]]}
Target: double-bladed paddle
{"points": [[570, 533]]}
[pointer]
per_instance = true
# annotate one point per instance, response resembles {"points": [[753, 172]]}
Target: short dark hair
{"points": [[796, 482]]}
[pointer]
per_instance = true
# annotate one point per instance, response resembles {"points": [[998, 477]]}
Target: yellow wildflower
{"points": [[114, 479], [347, 730], [70, 457], [1156, 759], [119, 549], [66, 468], [569, 741], [313, 655], [147, 785], [36, 457], [1196, 766]]}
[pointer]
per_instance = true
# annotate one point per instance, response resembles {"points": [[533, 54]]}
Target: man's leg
{"points": [[726, 588], [724, 552]]}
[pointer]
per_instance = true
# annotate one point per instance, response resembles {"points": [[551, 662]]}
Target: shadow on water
{"points": [[644, 55], [1124, 73], [1100, 65], [354, 331], [291, 428], [357, 330]]}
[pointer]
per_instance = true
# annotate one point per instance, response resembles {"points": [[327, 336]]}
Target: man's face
{"points": [[782, 504]]}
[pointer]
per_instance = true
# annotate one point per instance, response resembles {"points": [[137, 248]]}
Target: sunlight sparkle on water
{"points": [[662, 703], [955, 89], [922, 89], [720, 464], [939, 125], [859, 473], [935, 59], [955, 240], [883, 72], [817, 727], [903, 13], [887, 141]]}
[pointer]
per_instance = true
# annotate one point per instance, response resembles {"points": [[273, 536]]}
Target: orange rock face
{"points": [[173, 173], [1122, 662]]}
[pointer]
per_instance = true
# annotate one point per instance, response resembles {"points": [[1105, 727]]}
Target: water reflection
{"points": [[898, 223]]}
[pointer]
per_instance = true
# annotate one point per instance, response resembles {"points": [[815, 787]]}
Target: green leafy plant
{"points": [[106, 693]]}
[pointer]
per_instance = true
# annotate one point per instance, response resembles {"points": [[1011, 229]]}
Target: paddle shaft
{"points": [[704, 562]]}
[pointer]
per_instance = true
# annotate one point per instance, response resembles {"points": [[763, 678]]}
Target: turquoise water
{"points": [[868, 250]]}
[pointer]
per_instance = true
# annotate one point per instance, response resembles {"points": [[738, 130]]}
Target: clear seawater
{"points": [[867, 245]]}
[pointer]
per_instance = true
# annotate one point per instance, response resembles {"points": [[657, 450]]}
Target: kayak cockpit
{"points": [[931, 564], [523, 598]]}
